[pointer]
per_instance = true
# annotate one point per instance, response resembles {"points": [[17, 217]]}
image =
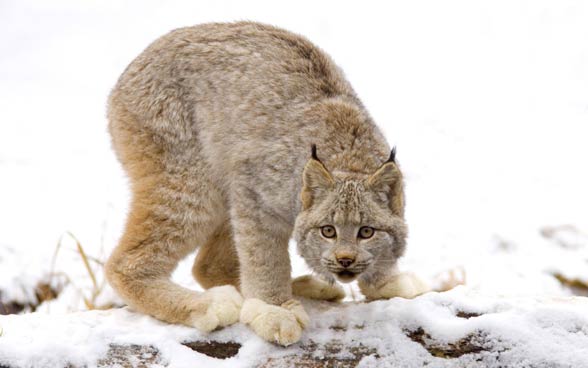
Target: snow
{"points": [[486, 102], [536, 332]]}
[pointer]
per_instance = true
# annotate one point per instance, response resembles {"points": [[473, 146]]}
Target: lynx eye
{"points": [[328, 231], [366, 232]]}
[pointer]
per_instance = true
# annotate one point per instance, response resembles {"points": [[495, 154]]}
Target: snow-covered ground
{"points": [[487, 103], [501, 332]]}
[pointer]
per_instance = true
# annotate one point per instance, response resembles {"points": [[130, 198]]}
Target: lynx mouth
{"points": [[346, 276]]}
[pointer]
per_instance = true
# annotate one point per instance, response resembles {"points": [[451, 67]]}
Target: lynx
{"points": [[236, 137]]}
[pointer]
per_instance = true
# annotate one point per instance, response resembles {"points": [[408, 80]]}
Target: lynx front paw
{"points": [[279, 324], [404, 285], [313, 288], [220, 307]]}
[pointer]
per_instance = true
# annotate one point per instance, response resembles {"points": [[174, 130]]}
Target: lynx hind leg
{"points": [[403, 285], [311, 287], [140, 267], [168, 216], [217, 262]]}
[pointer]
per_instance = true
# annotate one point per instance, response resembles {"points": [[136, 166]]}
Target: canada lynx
{"points": [[214, 126]]}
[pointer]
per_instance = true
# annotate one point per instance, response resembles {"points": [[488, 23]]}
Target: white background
{"points": [[487, 103]]}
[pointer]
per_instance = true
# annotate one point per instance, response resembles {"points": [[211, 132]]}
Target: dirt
{"points": [[332, 355], [130, 356], [215, 349], [576, 286], [43, 292], [470, 344]]}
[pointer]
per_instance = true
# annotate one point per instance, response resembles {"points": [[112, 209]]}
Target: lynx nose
{"points": [[345, 262], [345, 257]]}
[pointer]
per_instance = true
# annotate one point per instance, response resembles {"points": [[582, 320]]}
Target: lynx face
{"points": [[350, 225]]}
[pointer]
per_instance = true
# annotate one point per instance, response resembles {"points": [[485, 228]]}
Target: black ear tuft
{"points": [[313, 152], [392, 157]]}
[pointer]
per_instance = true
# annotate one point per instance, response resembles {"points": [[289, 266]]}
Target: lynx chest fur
{"points": [[214, 126]]}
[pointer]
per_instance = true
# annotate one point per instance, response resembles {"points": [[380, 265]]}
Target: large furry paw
{"points": [[313, 288], [279, 324], [220, 306], [404, 285]]}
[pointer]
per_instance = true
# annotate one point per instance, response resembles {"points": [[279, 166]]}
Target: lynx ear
{"points": [[388, 180], [316, 180]]}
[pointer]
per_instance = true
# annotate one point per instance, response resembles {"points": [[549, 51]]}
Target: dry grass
{"points": [[576, 286], [90, 296], [49, 288]]}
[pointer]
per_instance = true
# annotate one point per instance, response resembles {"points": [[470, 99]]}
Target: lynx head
{"points": [[350, 221]]}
